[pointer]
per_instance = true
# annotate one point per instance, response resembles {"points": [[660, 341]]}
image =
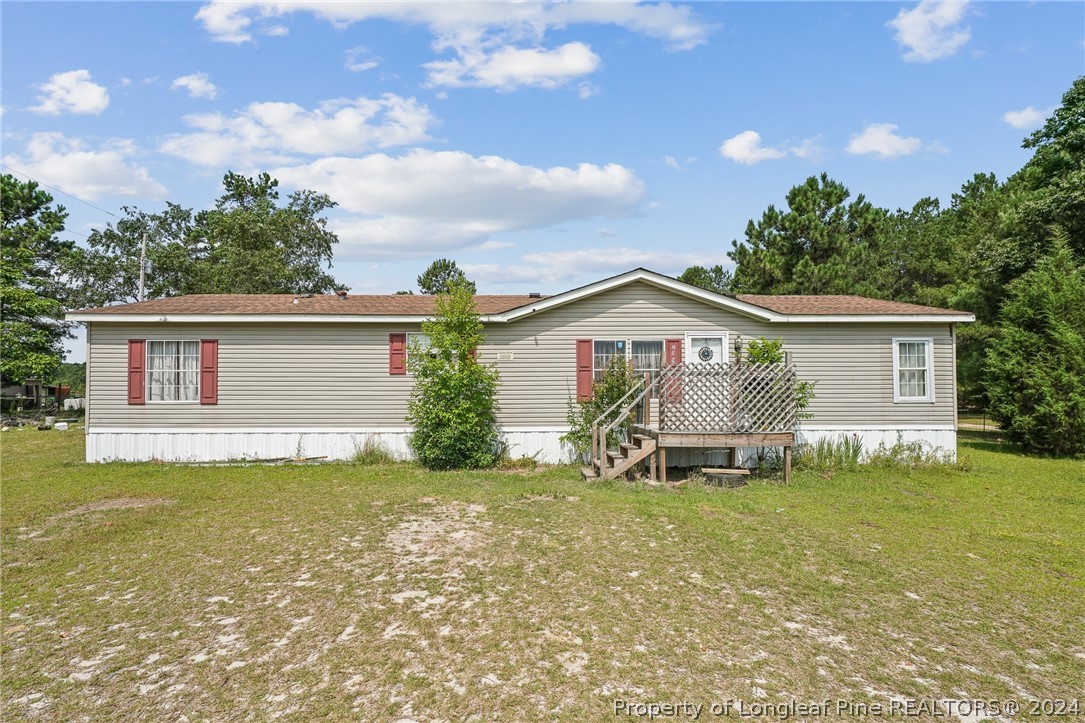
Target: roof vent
{"points": [[342, 294], [534, 295]]}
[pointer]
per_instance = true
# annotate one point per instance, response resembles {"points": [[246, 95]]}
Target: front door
{"points": [[706, 396], [707, 349]]}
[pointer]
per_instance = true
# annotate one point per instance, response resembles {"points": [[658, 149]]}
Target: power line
{"points": [[54, 188]]}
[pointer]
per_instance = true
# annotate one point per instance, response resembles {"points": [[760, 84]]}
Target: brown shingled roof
{"points": [[353, 304], [838, 305]]}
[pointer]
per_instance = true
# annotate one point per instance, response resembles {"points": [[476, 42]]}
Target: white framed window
{"points": [[913, 369], [416, 342], [646, 355], [173, 371]]}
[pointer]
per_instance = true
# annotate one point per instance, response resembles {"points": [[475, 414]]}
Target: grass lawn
{"points": [[145, 591]]}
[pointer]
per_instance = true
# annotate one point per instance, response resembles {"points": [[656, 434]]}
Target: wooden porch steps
{"points": [[620, 461]]}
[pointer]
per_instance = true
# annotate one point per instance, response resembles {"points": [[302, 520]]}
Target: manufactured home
{"points": [[226, 377]]}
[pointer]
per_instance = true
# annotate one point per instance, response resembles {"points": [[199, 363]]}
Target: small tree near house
{"points": [[453, 407], [615, 383]]}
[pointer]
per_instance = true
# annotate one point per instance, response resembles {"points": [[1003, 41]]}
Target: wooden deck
{"points": [[714, 440], [714, 406]]}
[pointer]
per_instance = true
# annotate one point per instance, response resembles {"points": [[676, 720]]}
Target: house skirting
{"points": [[934, 438], [203, 445], [542, 443]]}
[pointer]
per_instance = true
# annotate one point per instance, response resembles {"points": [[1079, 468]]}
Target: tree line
{"points": [[1012, 252]]}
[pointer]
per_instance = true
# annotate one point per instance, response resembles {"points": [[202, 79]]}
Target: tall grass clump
{"points": [[371, 452], [828, 453]]}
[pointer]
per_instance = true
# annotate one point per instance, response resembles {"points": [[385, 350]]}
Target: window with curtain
{"points": [[647, 356], [644, 355], [173, 371], [605, 350], [912, 366]]}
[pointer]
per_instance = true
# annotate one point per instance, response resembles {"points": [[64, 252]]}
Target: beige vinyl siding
{"points": [[270, 375], [336, 375], [852, 363]]}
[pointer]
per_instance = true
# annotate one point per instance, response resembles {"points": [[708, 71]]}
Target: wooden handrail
{"points": [[599, 437]]}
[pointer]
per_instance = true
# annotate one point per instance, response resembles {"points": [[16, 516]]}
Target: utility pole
{"points": [[142, 264]]}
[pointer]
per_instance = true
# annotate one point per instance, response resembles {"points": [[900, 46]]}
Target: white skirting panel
{"points": [[545, 445], [187, 445], [942, 440]]}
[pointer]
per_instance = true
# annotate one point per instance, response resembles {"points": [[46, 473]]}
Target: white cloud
{"points": [[359, 60], [426, 201], [264, 133], [492, 245], [586, 90], [880, 139], [230, 20], [509, 67], [88, 174], [71, 92], [551, 267], [672, 162], [497, 45], [198, 85], [931, 30], [746, 148], [1028, 118], [810, 149]]}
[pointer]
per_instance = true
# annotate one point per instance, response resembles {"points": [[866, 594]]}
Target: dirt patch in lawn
{"points": [[440, 532], [119, 503]]}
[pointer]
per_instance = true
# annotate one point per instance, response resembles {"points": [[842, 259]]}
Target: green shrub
{"points": [[771, 351], [617, 380], [1036, 364], [453, 407]]}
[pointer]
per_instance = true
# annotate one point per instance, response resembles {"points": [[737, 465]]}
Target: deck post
{"points": [[787, 465], [663, 465], [652, 465]]}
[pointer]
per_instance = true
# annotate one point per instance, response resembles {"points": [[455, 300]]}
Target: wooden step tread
{"points": [[719, 470], [641, 437], [588, 473]]}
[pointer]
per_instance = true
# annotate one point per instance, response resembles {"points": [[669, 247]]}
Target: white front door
{"points": [[706, 348]]}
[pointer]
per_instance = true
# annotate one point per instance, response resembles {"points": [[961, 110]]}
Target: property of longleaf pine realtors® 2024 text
{"points": [[842, 707]]}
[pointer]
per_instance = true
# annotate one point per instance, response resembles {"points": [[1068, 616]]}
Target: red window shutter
{"points": [[583, 369], [137, 371], [397, 353], [209, 371], [674, 350]]}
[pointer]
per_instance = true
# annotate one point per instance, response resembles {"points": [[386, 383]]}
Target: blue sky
{"points": [[541, 146]]}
